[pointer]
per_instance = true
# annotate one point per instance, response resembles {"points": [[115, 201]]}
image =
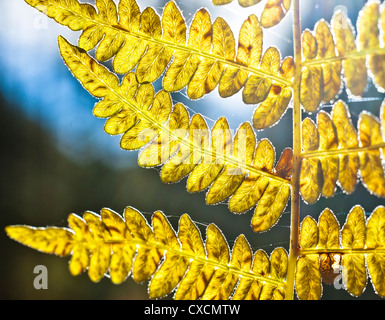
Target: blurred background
{"points": [[56, 158]]}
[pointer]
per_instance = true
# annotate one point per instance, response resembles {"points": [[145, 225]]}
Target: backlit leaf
{"points": [[353, 236], [331, 72], [369, 38], [274, 12], [308, 277], [347, 138], [181, 261], [375, 239], [371, 164], [355, 70]]}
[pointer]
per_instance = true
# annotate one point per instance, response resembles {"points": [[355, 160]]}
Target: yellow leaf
{"points": [[88, 71], [375, 239], [369, 38], [312, 78], [221, 2], [243, 3], [249, 54], [122, 252], [232, 176], [311, 176], [252, 188], [347, 139], [100, 254], [165, 145], [81, 253], [308, 276], [223, 282], [157, 56], [308, 233], [329, 232], [171, 271], [246, 3], [274, 12], [212, 164], [270, 206], [147, 257], [190, 154], [329, 229], [195, 281], [328, 140], [209, 71], [72, 16], [217, 250], [331, 72], [146, 130], [49, 240], [354, 69], [109, 243], [133, 47], [257, 87], [275, 104], [272, 109], [371, 164], [353, 265], [185, 63]]}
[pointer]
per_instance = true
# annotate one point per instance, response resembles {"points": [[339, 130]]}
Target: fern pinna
{"points": [[236, 169]]}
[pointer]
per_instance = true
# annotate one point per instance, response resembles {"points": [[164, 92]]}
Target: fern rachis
{"points": [[324, 154]]}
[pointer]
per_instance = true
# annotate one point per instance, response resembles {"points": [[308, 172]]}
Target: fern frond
{"points": [[149, 42], [335, 152], [273, 13], [108, 244], [353, 253], [357, 57], [237, 167]]}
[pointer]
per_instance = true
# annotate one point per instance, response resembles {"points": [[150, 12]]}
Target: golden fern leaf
{"points": [[108, 244], [338, 153], [331, 72], [274, 12], [312, 77], [355, 70], [308, 277], [368, 38], [326, 250], [356, 55], [243, 3], [273, 107], [213, 160], [155, 45]]}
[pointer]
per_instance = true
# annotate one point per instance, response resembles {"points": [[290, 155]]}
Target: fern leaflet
{"points": [[326, 252], [335, 153], [144, 118], [108, 244]]}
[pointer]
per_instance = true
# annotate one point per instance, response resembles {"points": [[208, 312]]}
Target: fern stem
{"points": [[316, 154], [350, 55], [304, 252], [297, 119]]}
